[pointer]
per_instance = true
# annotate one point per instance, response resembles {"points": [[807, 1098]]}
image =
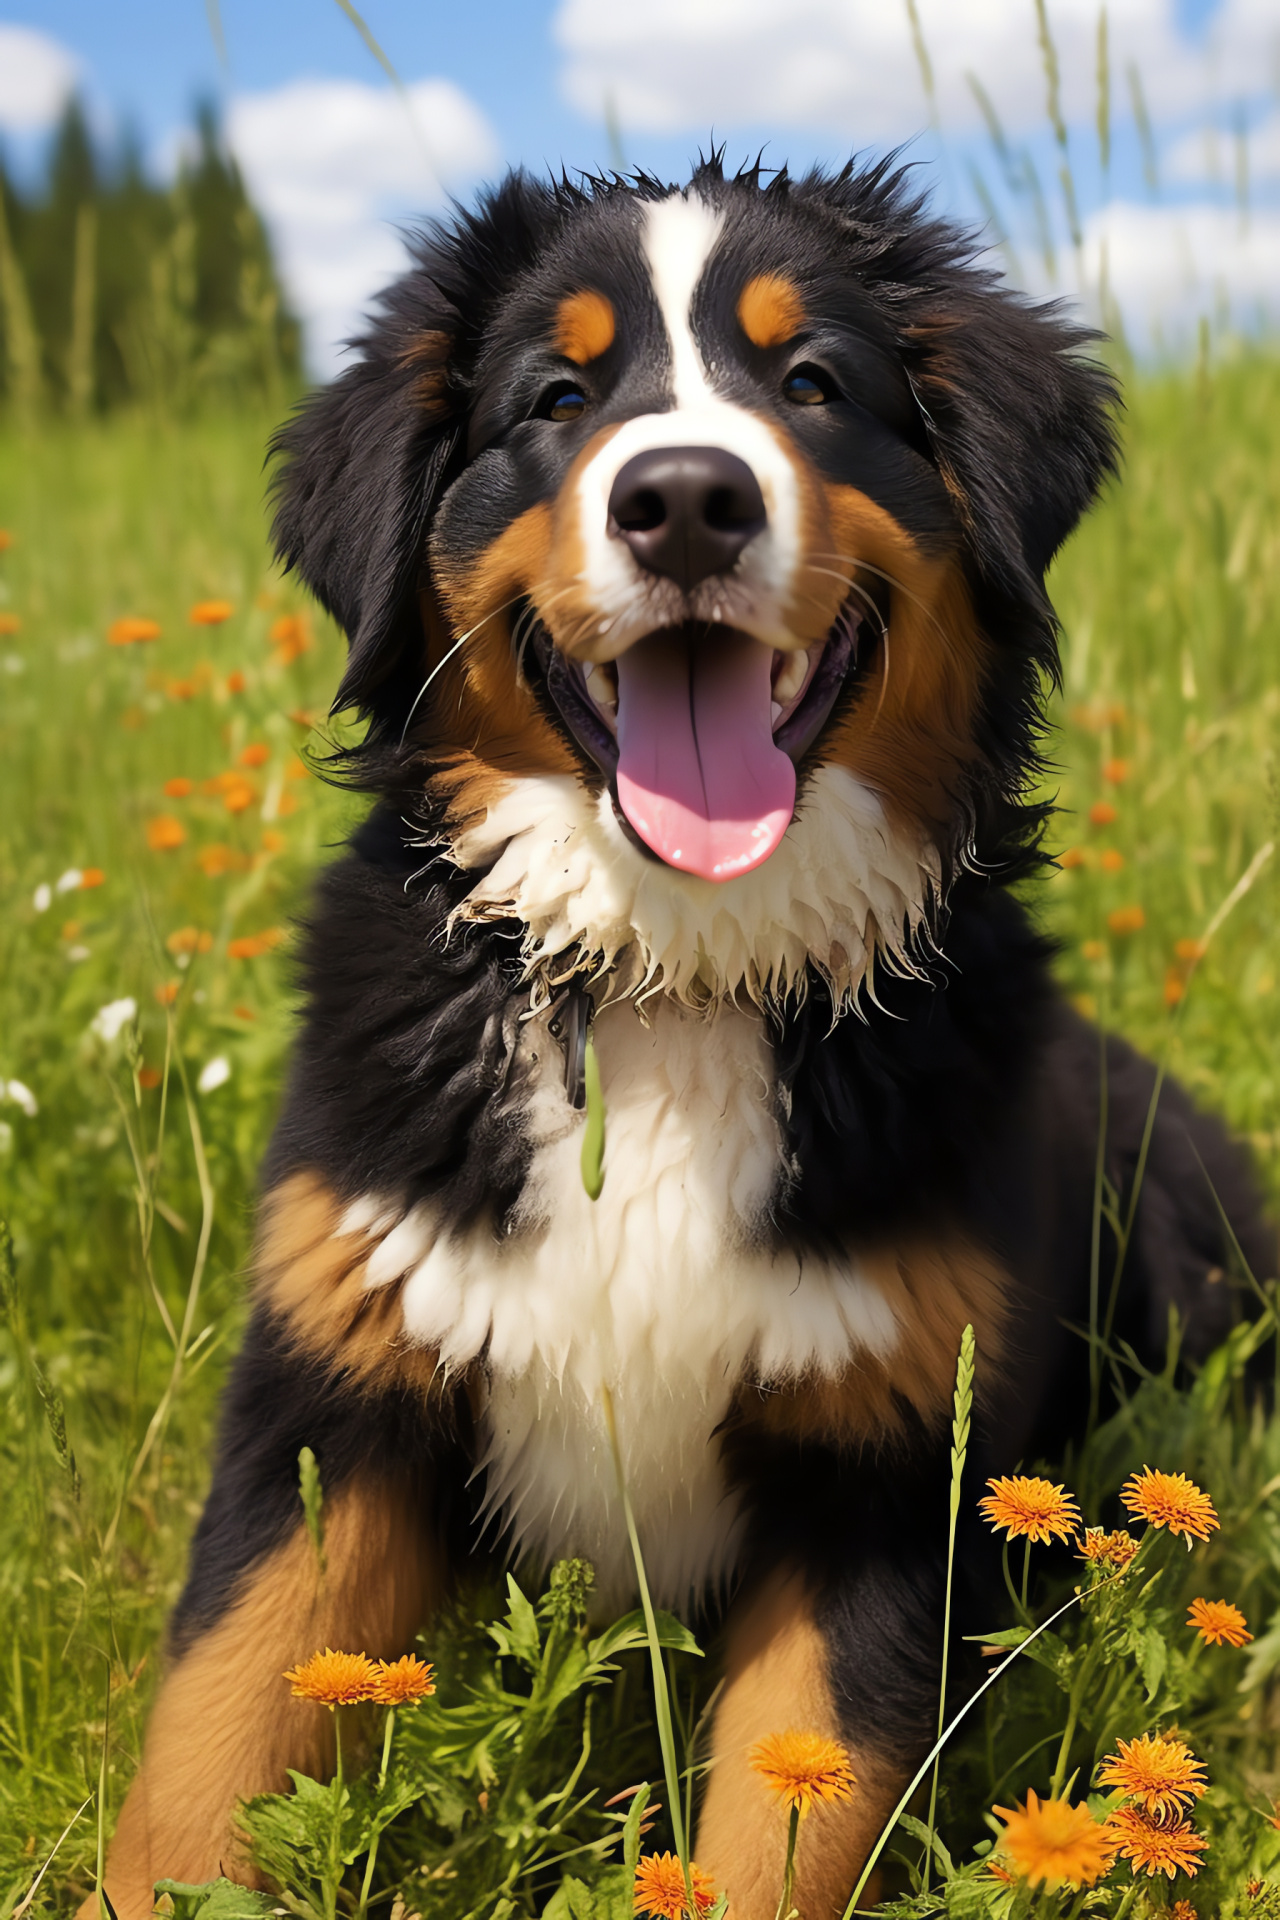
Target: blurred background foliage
{"points": [[115, 290]]}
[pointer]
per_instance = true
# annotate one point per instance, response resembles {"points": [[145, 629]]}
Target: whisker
{"points": [[853, 587], [439, 667], [892, 580]]}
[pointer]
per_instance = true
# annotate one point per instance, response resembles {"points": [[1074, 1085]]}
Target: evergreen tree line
{"points": [[114, 290]]}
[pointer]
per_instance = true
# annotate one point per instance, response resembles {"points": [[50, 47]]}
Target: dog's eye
{"points": [[808, 387], [564, 403]]}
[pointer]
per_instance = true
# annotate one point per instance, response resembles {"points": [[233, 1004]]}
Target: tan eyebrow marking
{"points": [[585, 326], [770, 310]]}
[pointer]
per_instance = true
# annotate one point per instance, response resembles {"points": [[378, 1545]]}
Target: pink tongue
{"points": [[699, 776]]}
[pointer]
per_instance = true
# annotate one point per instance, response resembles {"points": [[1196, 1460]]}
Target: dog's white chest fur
{"points": [[665, 1289]]}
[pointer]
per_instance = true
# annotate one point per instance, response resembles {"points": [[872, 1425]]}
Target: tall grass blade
{"points": [[362, 27], [661, 1692], [962, 1409], [923, 62], [21, 341], [1142, 120], [83, 312], [1103, 71]]}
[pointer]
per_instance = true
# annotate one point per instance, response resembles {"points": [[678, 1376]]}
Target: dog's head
{"points": [[710, 503]]}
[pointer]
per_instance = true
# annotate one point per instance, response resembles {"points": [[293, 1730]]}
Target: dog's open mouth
{"points": [[699, 729]]}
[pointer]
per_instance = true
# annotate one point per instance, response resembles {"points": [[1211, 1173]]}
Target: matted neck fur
{"points": [[691, 545]]}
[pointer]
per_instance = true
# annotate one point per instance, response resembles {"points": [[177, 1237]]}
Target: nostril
{"points": [[640, 511], [729, 509]]}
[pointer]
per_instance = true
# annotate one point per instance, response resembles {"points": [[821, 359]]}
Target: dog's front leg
{"points": [[260, 1599], [838, 1633]]}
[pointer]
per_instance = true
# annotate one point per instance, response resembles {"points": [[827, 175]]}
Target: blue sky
{"points": [[336, 161]]}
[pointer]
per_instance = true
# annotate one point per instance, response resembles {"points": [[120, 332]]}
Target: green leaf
{"points": [[1152, 1655], [629, 1632], [593, 1133], [631, 1831], [218, 1900], [921, 1832], [519, 1636]]}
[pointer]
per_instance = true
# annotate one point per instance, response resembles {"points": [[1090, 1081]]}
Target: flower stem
{"points": [[382, 1781], [335, 1827], [1026, 1569], [789, 1871]]}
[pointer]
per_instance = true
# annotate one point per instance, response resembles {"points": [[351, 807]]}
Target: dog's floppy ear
{"points": [[362, 464], [1021, 421]]}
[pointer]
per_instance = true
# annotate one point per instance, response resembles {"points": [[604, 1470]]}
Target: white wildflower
{"points": [[108, 1020], [216, 1074], [21, 1096], [42, 898], [68, 882]]}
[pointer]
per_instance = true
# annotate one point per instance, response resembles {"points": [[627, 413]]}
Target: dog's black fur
{"points": [[964, 1098]]}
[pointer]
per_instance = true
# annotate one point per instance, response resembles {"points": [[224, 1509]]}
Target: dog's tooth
{"points": [[790, 677], [588, 668]]}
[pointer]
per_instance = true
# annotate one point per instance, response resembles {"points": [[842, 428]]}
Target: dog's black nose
{"points": [[686, 512]]}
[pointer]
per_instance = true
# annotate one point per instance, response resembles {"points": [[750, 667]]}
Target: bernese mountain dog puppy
{"points": [[691, 547]]}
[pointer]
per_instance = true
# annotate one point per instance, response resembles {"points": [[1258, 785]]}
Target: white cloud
{"points": [[36, 75], [331, 164], [1167, 266], [849, 67]]}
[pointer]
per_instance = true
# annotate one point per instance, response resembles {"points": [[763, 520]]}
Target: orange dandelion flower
{"points": [[1191, 949], [91, 877], [167, 993], [335, 1679], [1054, 1842], [1071, 857], [1163, 1776], [1218, 1623], [1029, 1509], [290, 636], [660, 1888], [1112, 861], [802, 1768], [1103, 814], [1170, 1500], [164, 833], [130, 631], [1110, 1550], [189, 940], [149, 1078], [1127, 920], [237, 795], [178, 788], [244, 1013], [252, 946], [256, 754], [236, 682], [403, 1682], [1175, 986], [1093, 950], [217, 860], [210, 613], [273, 842], [1116, 771], [10, 623], [6, 540], [180, 689], [1170, 1845], [1183, 1910]]}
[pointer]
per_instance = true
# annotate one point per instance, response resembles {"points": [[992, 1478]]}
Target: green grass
{"points": [[1172, 661]]}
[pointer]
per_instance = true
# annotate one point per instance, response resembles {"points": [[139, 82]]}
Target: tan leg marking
{"points": [[776, 1679], [225, 1726]]}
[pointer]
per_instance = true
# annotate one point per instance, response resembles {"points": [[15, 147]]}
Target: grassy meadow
{"points": [[159, 829]]}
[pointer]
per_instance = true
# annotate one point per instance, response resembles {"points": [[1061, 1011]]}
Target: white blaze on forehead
{"points": [[679, 237]]}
